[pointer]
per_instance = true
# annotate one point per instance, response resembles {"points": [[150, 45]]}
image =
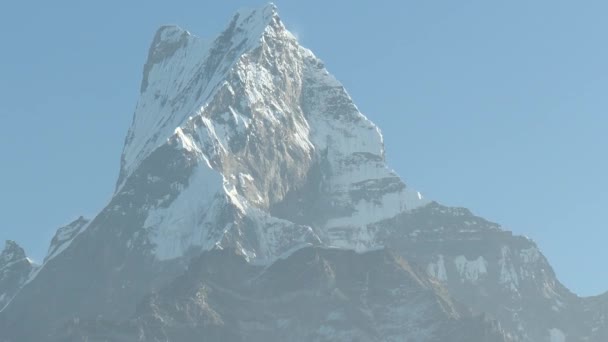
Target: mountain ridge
{"points": [[249, 144]]}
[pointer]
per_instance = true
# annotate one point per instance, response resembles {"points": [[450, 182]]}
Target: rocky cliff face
{"points": [[315, 294], [15, 270], [490, 270], [254, 203]]}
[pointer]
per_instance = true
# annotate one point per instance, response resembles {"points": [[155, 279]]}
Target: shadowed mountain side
{"points": [[316, 294]]}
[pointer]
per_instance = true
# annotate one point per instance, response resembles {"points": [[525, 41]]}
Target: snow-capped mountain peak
{"points": [[246, 163], [260, 123], [179, 63]]}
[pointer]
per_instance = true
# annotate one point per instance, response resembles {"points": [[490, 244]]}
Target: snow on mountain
{"points": [[182, 74], [557, 335], [490, 270], [257, 114], [246, 143], [471, 270]]}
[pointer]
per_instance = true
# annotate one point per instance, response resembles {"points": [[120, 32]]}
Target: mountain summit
{"points": [[254, 203], [258, 124], [15, 268]]}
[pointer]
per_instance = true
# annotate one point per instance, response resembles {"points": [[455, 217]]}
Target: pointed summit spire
{"points": [[167, 41], [183, 72], [265, 12], [12, 252]]}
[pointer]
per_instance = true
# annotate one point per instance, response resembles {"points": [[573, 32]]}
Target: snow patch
{"points": [[556, 335], [508, 275], [530, 255], [471, 270], [186, 141], [178, 227], [437, 269]]}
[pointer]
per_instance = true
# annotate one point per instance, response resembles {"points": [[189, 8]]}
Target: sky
{"points": [[499, 107]]}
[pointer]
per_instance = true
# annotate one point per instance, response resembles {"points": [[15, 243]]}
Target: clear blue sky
{"points": [[498, 106]]}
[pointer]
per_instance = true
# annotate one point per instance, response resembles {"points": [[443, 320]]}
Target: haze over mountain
{"points": [[254, 203]]}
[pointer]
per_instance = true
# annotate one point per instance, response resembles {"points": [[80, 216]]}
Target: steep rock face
{"points": [[595, 310], [64, 237], [108, 266], [315, 294], [15, 269], [491, 271]]}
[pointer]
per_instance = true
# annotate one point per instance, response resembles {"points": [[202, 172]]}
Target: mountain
{"points": [[254, 203], [64, 237], [15, 270], [491, 271], [315, 294]]}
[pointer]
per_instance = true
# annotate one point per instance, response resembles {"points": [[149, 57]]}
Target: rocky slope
{"points": [[15, 270], [490, 270], [245, 160], [314, 294]]}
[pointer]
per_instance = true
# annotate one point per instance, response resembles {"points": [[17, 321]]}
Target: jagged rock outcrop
{"points": [[64, 237], [492, 271], [15, 270]]}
